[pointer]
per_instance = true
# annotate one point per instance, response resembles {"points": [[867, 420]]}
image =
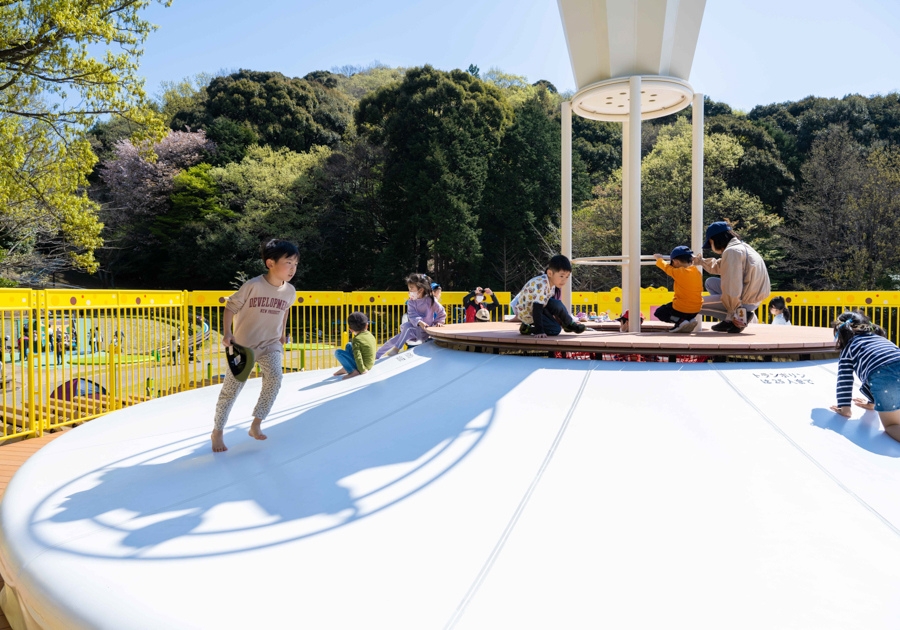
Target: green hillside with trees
{"points": [[376, 172]]}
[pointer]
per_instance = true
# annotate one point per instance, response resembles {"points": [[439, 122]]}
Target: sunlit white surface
{"points": [[462, 490]]}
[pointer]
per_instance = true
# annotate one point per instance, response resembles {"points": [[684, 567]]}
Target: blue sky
{"points": [[749, 53]]}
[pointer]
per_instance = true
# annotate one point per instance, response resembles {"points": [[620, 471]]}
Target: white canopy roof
{"points": [[621, 38]]}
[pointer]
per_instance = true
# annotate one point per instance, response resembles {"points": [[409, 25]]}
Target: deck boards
{"points": [[757, 339], [12, 456]]}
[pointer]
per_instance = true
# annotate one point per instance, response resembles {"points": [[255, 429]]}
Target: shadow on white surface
{"points": [[328, 461], [866, 432]]}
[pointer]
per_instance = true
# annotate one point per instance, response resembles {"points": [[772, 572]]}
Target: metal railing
{"points": [[70, 356]]}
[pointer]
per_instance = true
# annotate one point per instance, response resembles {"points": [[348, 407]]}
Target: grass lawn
{"points": [[308, 346], [103, 359]]}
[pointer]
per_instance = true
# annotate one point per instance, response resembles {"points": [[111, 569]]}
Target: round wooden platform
{"points": [[757, 339]]}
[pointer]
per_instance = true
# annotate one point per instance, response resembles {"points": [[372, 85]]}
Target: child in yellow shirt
{"points": [[688, 301]]}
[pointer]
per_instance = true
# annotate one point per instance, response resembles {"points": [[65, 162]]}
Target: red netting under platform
{"points": [[642, 358]]}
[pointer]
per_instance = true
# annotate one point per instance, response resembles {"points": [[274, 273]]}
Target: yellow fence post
{"points": [[32, 413], [44, 361], [111, 377], [119, 350], [185, 337]]}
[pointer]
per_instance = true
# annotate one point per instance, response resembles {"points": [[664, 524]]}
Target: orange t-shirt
{"points": [[688, 286]]}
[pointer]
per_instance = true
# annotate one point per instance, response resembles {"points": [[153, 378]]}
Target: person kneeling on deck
{"points": [[538, 304], [683, 310], [744, 282]]}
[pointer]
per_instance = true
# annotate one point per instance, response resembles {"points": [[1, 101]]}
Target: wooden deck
{"points": [[757, 339], [12, 456]]}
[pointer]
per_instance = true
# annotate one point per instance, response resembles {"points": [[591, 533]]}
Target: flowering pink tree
{"points": [[138, 187], [138, 190]]}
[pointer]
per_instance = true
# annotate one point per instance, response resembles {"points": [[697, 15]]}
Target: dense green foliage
{"points": [[438, 130], [666, 203], [63, 64], [377, 172], [292, 113]]}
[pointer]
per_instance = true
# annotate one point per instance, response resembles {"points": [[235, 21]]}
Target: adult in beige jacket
{"points": [[743, 281]]}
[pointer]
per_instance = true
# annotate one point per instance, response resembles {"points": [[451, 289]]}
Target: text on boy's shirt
{"points": [[267, 303]]}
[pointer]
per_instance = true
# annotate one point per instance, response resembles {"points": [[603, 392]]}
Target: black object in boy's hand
{"points": [[240, 361]]}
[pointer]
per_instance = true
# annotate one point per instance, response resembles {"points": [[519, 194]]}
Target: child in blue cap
{"points": [[683, 310]]}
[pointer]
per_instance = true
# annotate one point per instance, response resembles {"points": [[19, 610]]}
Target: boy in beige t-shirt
{"points": [[259, 310]]}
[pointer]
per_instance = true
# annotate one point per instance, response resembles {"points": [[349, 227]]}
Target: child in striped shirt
{"points": [[876, 361]]}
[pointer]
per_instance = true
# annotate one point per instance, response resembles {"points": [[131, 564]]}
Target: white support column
{"points": [[634, 204], [566, 186], [697, 176], [625, 175]]}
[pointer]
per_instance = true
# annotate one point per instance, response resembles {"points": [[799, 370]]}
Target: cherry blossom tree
{"points": [[139, 180]]}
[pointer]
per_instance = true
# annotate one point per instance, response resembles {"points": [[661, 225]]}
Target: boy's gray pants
{"points": [[270, 365]]}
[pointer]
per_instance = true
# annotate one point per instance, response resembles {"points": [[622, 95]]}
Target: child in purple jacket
{"points": [[423, 311]]}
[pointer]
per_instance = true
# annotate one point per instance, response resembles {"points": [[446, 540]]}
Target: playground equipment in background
{"points": [[76, 387]]}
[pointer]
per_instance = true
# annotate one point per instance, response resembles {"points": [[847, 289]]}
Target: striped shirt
{"points": [[863, 354]]}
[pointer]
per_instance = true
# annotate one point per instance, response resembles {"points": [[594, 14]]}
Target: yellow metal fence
{"points": [[70, 356]]}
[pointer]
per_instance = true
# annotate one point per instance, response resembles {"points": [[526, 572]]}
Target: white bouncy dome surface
{"points": [[459, 490]]}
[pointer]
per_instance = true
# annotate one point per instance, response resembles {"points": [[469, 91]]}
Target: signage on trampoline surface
{"points": [[783, 378]]}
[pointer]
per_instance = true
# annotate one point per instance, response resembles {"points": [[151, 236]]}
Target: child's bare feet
{"points": [[218, 441], [340, 372], [255, 431]]}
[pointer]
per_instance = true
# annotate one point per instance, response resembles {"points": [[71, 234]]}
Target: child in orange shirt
{"points": [[688, 301]]}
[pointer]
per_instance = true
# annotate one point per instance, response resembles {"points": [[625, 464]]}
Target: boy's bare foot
{"points": [[255, 431], [218, 441], [340, 372]]}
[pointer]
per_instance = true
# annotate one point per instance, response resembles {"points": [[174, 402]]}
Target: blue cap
{"points": [[681, 250], [435, 285], [715, 228]]}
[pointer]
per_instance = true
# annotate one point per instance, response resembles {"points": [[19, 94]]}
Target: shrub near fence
{"points": [[123, 347]]}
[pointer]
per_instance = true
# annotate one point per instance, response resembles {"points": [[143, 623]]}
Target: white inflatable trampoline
{"points": [[459, 490]]}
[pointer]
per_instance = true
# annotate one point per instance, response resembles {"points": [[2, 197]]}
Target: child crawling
{"points": [[259, 310], [876, 361], [538, 305]]}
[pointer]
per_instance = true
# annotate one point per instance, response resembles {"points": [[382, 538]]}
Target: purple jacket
{"points": [[427, 310]]}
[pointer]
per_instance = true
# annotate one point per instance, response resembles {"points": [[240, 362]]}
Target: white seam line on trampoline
{"points": [[827, 370], [492, 558], [279, 465], [765, 417]]}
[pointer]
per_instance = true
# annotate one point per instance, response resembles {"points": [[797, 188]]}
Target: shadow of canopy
{"points": [[332, 458]]}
